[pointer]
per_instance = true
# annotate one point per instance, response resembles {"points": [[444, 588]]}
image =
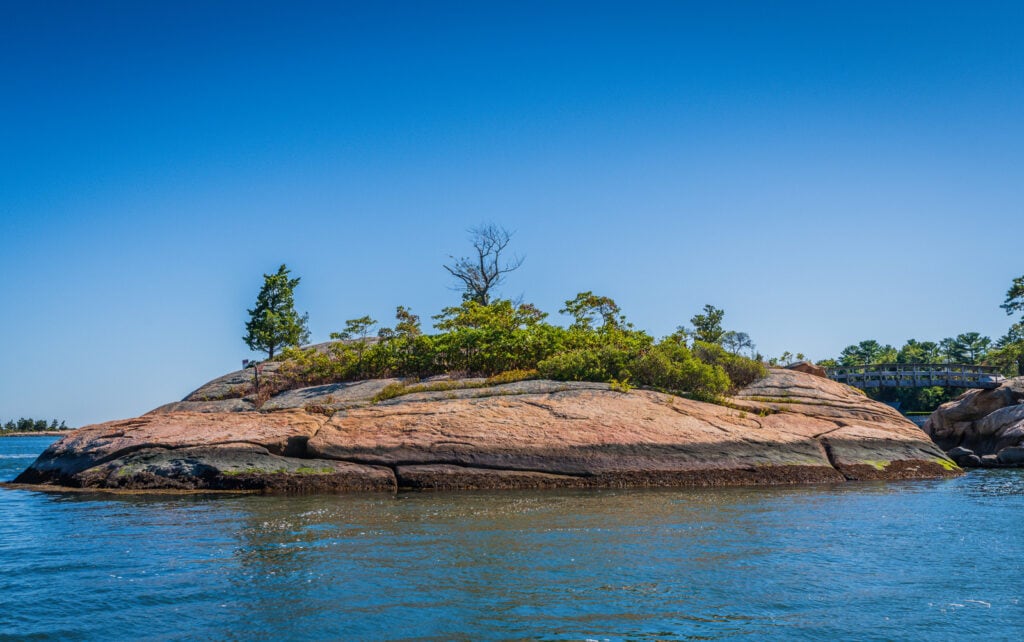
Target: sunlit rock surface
{"points": [[982, 427], [790, 427]]}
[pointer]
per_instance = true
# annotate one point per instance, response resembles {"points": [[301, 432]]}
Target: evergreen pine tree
{"points": [[274, 323]]}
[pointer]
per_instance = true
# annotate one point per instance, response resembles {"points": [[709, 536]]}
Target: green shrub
{"points": [[508, 342], [741, 371], [391, 391], [312, 366], [511, 376], [600, 364], [620, 386], [574, 365], [670, 366]]}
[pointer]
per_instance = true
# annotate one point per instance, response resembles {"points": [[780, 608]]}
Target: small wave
{"points": [[19, 456]]}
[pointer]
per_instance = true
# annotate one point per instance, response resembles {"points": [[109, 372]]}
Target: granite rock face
{"points": [[985, 424], [790, 427], [809, 368]]}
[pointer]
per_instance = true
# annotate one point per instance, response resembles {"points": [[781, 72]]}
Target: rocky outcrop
{"points": [[790, 427], [809, 368], [982, 427]]}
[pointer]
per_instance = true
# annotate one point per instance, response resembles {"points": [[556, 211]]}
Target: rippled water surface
{"points": [[909, 560]]}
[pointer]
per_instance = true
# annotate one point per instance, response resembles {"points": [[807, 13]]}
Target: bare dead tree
{"points": [[480, 274]]}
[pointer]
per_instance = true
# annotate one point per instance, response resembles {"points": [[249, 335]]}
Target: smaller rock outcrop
{"points": [[982, 427], [964, 457], [809, 368]]}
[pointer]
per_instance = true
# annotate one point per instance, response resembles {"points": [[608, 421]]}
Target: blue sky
{"points": [[823, 173]]}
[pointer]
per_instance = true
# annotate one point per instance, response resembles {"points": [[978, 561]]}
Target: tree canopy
{"points": [[1007, 352], [966, 348], [510, 341], [1015, 297], [864, 353], [588, 307], [707, 327], [273, 322], [32, 425]]}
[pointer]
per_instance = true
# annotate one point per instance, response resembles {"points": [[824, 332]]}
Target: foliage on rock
{"points": [[508, 341]]}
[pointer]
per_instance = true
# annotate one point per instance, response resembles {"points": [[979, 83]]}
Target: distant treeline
{"points": [[1006, 354], [33, 425]]}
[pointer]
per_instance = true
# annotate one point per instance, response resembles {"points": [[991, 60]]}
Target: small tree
{"points": [[866, 353], [735, 342], [587, 307], [407, 326], [707, 327], [274, 323], [914, 351], [1008, 357], [357, 330], [1014, 335], [486, 270], [972, 346], [1008, 351], [1015, 297], [408, 323], [950, 350]]}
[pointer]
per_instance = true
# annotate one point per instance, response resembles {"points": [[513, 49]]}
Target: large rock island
{"points": [[383, 435]]}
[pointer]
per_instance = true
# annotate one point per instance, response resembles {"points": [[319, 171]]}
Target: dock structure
{"points": [[917, 375]]}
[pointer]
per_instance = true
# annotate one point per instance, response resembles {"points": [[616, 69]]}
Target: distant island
{"points": [[24, 427]]}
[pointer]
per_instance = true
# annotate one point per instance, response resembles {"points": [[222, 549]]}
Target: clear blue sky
{"points": [[825, 172]]}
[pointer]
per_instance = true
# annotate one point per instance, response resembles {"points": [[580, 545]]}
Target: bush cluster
{"points": [[509, 342]]}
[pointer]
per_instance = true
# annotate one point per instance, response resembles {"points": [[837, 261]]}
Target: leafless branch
{"points": [[480, 274]]}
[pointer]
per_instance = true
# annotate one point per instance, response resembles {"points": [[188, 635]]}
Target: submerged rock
{"points": [[790, 427]]}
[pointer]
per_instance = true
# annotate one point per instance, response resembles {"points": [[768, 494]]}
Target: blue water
{"points": [[913, 560]]}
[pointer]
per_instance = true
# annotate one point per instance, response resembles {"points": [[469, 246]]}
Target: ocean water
{"points": [[887, 561]]}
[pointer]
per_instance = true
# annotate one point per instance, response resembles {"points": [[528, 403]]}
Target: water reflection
{"points": [[851, 560]]}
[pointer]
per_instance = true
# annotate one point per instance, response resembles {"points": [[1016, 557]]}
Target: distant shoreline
{"points": [[38, 433]]}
